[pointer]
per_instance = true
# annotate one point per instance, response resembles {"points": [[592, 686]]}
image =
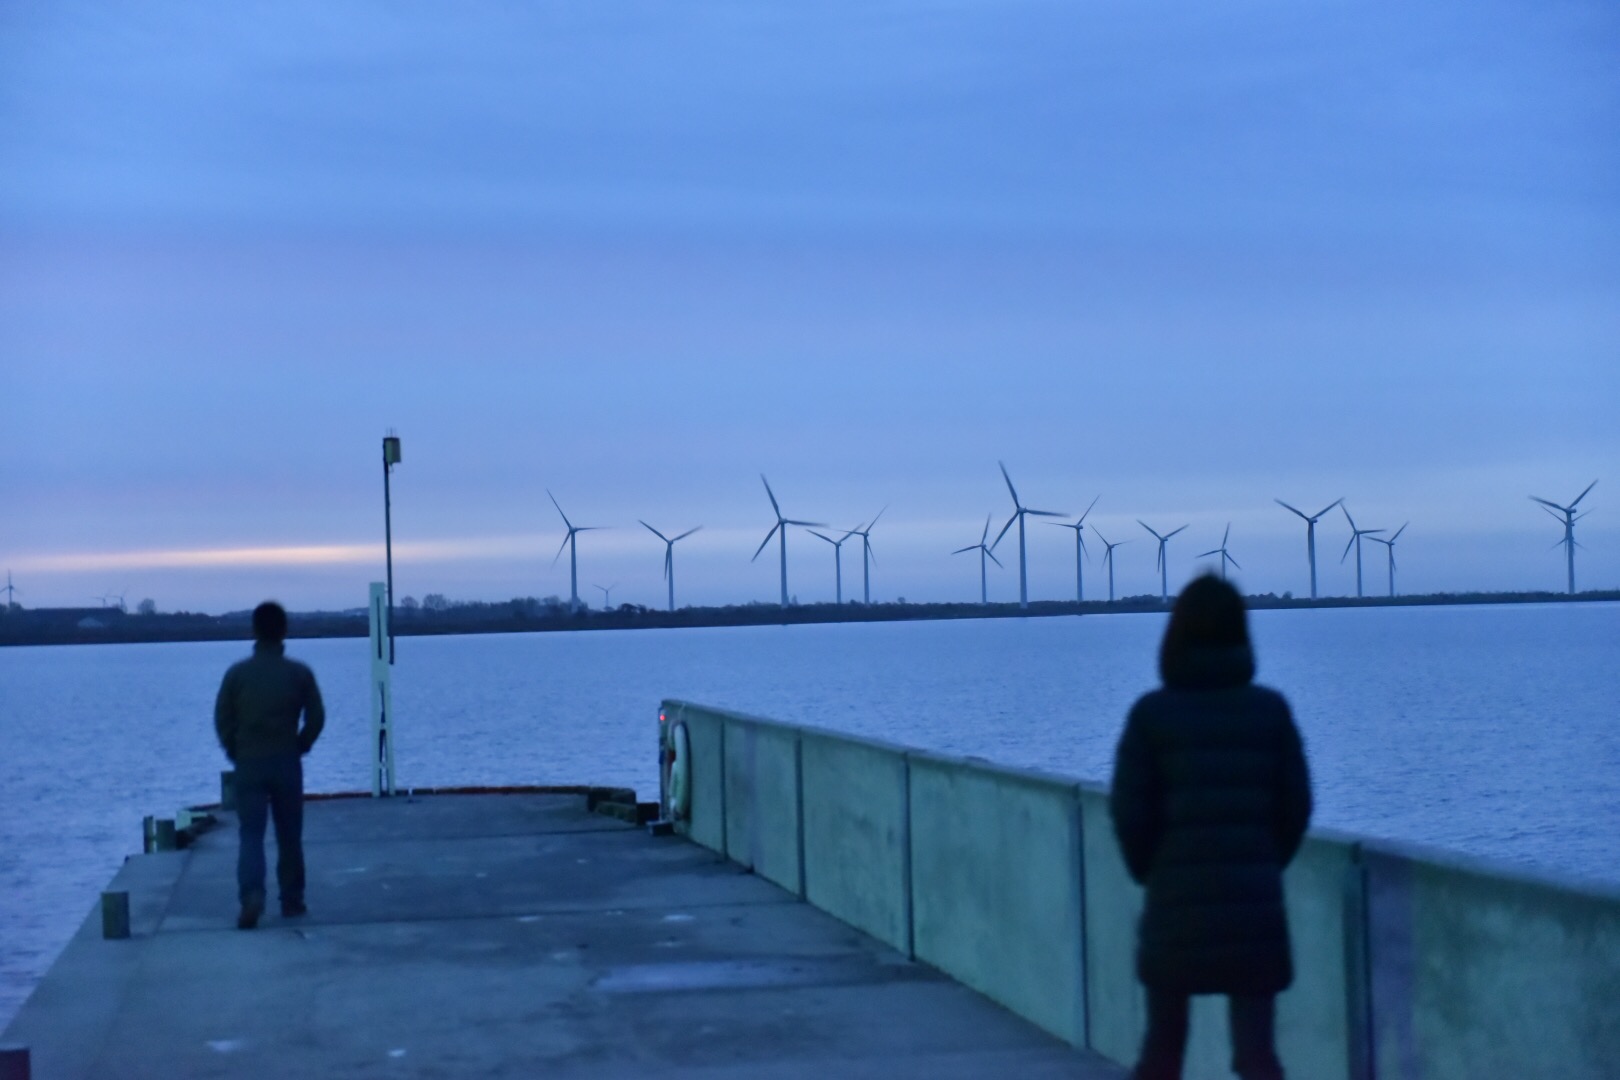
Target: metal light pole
{"points": [[390, 448]]}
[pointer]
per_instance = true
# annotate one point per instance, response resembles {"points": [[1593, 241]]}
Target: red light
{"points": [[660, 718]]}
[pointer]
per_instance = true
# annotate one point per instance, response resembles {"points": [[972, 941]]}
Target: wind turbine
{"points": [[1079, 549], [1310, 533], [669, 557], [1020, 511], [838, 558], [573, 551], [1164, 564], [781, 527], [1355, 542], [1569, 517], [1108, 560], [867, 558], [984, 553], [10, 591], [1390, 545], [607, 595], [1222, 552]]}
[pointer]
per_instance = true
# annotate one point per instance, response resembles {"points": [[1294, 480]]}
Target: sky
{"points": [[1181, 259]]}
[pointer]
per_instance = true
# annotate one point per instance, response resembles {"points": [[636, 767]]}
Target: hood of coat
{"points": [[1209, 667]]}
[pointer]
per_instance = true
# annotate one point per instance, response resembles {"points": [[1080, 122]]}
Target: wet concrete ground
{"points": [[504, 935]]}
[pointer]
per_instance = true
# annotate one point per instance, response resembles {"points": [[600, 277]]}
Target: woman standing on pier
{"points": [[1210, 800]]}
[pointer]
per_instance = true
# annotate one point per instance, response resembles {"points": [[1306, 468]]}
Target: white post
{"points": [[382, 696]]}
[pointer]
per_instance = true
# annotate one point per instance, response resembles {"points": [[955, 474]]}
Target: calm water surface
{"points": [[1487, 730]]}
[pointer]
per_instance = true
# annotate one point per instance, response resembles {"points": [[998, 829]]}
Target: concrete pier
{"points": [[504, 935]]}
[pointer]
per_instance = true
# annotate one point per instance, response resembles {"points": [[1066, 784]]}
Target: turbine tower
{"points": [[867, 558], [1310, 533], [838, 558], [1164, 564], [1221, 551], [669, 558], [10, 591], [1355, 542], [984, 553], [1020, 511], [607, 594], [1108, 560], [1390, 546], [781, 528], [1079, 549], [1569, 517], [570, 543]]}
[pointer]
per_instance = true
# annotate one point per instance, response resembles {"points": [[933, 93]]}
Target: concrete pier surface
{"points": [[503, 935]]}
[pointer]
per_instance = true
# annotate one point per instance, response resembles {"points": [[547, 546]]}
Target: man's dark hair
{"points": [[270, 622], [1208, 614]]}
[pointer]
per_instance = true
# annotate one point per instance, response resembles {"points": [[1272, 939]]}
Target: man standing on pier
{"points": [[256, 717]]}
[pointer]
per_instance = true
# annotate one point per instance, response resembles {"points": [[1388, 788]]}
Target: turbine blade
{"points": [[1329, 506], [829, 539], [1157, 563], [558, 505], [1556, 517], [1101, 537], [654, 531], [1010, 487], [1149, 528], [1347, 516], [1088, 510], [1169, 535], [1231, 560], [1398, 532], [1003, 531], [771, 493], [767, 540], [1285, 506], [1582, 495], [685, 534], [669, 562], [1083, 549], [560, 550], [1045, 513], [1227, 535], [1347, 547], [992, 556], [986, 534], [1555, 506], [970, 547], [806, 524], [1207, 554], [875, 517]]}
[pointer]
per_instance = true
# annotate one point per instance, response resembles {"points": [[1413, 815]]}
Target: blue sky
{"points": [[1185, 258]]}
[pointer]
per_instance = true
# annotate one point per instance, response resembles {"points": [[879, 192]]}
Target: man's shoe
{"points": [[252, 908], [291, 909]]}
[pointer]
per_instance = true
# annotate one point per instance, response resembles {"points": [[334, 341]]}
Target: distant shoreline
{"points": [[110, 626]]}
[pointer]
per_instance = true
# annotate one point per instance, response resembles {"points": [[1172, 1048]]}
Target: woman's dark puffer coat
{"points": [[1210, 801]]}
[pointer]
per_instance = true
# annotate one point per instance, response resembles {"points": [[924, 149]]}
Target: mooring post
{"points": [[227, 790], [14, 1063], [114, 915]]}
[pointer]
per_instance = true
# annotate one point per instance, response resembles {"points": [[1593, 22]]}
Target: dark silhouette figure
{"points": [[1210, 800], [256, 717]]}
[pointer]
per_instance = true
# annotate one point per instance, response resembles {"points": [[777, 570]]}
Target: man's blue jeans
{"points": [[271, 787]]}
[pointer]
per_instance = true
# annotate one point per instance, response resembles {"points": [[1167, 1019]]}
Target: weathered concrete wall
{"points": [[1475, 973], [762, 799], [1409, 965], [995, 885], [857, 840]]}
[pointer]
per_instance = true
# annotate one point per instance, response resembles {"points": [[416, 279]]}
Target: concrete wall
{"points": [[995, 886], [1410, 965], [857, 837]]}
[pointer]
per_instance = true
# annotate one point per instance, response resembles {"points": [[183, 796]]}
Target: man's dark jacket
{"points": [[260, 701], [1210, 801]]}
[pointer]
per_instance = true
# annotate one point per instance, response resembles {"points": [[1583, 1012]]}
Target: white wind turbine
{"points": [[572, 545], [607, 595], [1569, 517], [780, 528], [867, 558], [1079, 548], [669, 557], [1355, 542], [1222, 552], [1164, 564], [1310, 533], [1390, 546], [1108, 559], [838, 558], [1020, 511], [984, 553]]}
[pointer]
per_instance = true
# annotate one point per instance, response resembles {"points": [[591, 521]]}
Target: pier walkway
{"points": [[504, 935]]}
